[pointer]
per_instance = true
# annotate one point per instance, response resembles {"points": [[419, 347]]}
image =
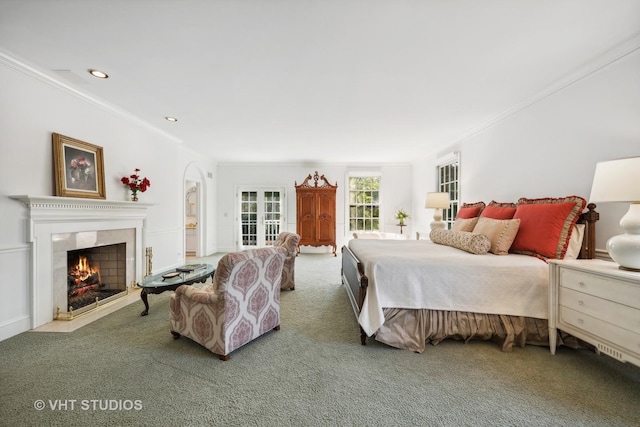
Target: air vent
{"points": [[70, 77], [610, 351]]}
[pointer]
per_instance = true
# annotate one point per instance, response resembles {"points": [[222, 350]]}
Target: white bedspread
{"points": [[421, 274]]}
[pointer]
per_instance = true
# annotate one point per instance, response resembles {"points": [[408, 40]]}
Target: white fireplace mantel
{"points": [[50, 215]]}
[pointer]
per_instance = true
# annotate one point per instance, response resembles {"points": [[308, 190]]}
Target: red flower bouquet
{"points": [[135, 184]]}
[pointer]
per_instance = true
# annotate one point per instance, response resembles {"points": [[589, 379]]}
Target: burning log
{"points": [[82, 278], [83, 289]]}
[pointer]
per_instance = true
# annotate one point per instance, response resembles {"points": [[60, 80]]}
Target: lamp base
{"points": [[625, 248], [437, 222]]}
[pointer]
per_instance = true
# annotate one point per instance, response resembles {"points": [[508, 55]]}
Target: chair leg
{"points": [[175, 335], [277, 328], [224, 357]]}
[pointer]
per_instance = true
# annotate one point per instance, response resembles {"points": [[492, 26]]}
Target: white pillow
{"points": [[575, 242]]}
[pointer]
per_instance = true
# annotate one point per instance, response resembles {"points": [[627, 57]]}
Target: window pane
{"points": [[364, 200]]}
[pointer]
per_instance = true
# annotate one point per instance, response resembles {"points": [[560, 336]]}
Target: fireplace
{"points": [[89, 265], [95, 274], [58, 225]]}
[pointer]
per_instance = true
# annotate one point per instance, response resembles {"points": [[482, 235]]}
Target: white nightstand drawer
{"points": [[612, 289], [596, 327], [611, 312]]}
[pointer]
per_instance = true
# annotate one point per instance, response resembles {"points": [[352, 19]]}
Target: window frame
{"points": [[348, 205], [448, 172]]}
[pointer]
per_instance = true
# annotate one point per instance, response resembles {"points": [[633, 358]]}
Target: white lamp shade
{"points": [[437, 200], [616, 181]]}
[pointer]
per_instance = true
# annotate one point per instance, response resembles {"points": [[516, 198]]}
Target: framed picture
{"points": [[78, 168]]}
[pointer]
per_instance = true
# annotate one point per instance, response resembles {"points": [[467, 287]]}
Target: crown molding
{"points": [[12, 61], [616, 53]]}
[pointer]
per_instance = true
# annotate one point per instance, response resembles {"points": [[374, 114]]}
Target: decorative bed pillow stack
{"points": [[545, 227]]}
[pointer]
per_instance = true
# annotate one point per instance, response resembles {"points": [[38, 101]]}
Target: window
{"points": [[364, 203], [449, 182]]}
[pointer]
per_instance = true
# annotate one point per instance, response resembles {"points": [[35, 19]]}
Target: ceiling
{"points": [[315, 80]]}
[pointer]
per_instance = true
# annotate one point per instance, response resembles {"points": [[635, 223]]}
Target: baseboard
{"points": [[14, 327]]}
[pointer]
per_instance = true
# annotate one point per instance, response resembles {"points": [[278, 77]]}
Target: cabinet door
{"points": [[306, 226], [326, 214]]}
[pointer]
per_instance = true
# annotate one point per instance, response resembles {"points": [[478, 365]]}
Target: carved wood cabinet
{"points": [[316, 212]]}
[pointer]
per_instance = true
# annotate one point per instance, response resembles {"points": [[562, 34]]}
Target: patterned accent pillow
{"points": [[470, 210], [499, 210], [500, 232], [464, 224], [478, 244], [545, 225]]}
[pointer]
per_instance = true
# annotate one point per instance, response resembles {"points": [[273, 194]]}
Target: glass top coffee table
{"points": [[170, 280]]}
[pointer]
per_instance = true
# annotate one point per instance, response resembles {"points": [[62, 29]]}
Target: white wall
{"points": [[396, 191], [31, 108], [550, 148]]}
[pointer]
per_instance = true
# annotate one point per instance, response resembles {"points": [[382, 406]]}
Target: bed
{"points": [[407, 293]]}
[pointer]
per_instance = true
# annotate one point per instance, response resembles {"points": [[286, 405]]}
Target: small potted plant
{"points": [[401, 215]]}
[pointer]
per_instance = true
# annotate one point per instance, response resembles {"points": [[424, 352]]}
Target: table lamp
{"points": [[619, 181], [437, 201]]}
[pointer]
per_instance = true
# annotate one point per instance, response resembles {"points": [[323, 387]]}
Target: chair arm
{"points": [[203, 296]]}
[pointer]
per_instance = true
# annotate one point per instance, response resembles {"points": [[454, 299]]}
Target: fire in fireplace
{"points": [[94, 274]]}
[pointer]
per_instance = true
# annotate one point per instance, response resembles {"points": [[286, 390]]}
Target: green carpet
{"points": [[128, 370]]}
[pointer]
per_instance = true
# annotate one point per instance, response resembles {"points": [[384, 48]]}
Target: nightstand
{"points": [[596, 302]]}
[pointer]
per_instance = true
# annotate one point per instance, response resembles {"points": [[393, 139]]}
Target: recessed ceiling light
{"points": [[171, 119], [99, 74]]}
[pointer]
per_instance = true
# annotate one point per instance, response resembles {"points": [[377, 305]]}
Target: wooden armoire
{"points": [[316, 212]]}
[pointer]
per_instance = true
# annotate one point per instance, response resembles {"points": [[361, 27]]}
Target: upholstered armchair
{"points": [[241, 304], [289, 241]]}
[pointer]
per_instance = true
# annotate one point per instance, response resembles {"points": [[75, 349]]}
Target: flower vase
{"points": [[134, 197]]}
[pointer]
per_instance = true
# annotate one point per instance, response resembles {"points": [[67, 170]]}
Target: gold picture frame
{"points": [[78, 168]]}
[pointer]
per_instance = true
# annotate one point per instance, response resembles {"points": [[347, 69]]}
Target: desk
{"points": [[157, 284]]}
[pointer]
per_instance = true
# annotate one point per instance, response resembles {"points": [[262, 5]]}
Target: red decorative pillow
{"points": [[545, 225], [497, 210], [470, 210]]}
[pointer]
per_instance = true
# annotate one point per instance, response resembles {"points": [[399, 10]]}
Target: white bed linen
{"points": [[420, 274]]}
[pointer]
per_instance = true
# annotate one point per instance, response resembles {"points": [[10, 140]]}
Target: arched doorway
{"points": [[194, 211]]}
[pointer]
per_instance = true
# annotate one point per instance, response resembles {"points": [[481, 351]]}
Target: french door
{"points": [[261, 216]]}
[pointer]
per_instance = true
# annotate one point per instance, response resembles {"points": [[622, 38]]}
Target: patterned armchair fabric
{"points": [[289, 241], [242, 303]]}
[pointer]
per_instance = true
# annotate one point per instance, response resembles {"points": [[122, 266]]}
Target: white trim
{"points": [[620, 51], [448, 158], [20, 65]]}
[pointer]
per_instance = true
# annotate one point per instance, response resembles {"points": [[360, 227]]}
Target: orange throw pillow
{"points": [[470, 210], [498, 212], [545, 225]]}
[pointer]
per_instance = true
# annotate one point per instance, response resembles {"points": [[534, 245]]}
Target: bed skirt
{"points": [[411, 329]]}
